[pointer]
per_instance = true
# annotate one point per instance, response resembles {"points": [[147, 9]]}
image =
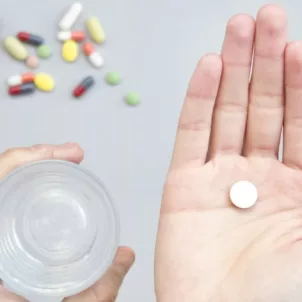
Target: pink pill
{"points": [[32, 62]]}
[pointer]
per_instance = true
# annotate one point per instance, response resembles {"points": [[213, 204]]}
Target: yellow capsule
{"points": [[44, 82], [15, 48], [70, 51], [95, 30]]}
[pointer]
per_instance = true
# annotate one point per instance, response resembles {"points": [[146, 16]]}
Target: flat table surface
{"points": [[155, 45]]}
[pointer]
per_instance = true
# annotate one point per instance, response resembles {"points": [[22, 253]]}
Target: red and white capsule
{"points": [[93, 56], [15, 80], [77, 36]]}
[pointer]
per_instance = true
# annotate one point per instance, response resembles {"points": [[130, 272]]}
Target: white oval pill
{"points": [[243, 194], [71, 16]]}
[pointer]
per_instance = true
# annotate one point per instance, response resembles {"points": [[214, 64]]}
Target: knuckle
{"points": [[118, 273], [112, 298], [13, 153], [109, 293], [295, 122], [194, 125]]}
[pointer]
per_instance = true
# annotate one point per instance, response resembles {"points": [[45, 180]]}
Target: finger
{"points": [[292, 149], [230, 111], [7, 296], [108, 287], [16, 157], [195, 120], [265, 116]]}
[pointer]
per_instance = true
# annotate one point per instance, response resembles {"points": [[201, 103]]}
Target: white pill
{"points": [[76, 35], [243, 194], [23, 78], [96, 60], [64, 35], [71, 16], [14, 80], [92, 55]]}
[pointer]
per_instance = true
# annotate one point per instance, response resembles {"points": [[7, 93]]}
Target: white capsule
{"points": [[71, 16], [76, 35], [19, 79], [96, 60], [243, 194]]}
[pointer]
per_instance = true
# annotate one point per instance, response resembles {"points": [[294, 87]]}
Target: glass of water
{"points": [[59, 230]]}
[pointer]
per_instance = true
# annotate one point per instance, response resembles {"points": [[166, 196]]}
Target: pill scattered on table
{"points": [[132, 98], [77, 36], [29, 38], [83, 86], [113, 78], [44, 82], [71, 16], [92, 55], [95, 30], [243, 194], [44, 51], [28, 82], [15, 48], [32, 62], [26, 88], [70, 51], [15, 80]]}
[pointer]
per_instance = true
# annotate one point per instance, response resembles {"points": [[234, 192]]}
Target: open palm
{"points": [[229, 130]]}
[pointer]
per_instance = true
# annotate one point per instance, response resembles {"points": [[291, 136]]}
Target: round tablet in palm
{"points": [[243, 194]]}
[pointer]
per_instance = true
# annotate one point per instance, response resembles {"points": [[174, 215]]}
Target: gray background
{"points": [[155, 45]]}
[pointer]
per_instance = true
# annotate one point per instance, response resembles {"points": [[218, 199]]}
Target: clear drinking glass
{"points": [[59, 230]]}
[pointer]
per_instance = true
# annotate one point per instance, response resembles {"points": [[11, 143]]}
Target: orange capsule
{"points": [[88, 49], [21, 79]]}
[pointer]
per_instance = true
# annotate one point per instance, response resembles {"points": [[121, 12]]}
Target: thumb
{"points": [[108, 287], [6, 296]]}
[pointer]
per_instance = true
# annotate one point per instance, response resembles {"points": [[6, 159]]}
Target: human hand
{"points": [[229, 130], [107, 288]]}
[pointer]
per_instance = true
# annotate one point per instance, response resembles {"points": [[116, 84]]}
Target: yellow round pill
{"points": [[44, 82], [70, 51]]}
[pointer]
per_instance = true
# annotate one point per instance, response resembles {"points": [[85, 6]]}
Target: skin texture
{"points": [[229, 130], [106, 289]]}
